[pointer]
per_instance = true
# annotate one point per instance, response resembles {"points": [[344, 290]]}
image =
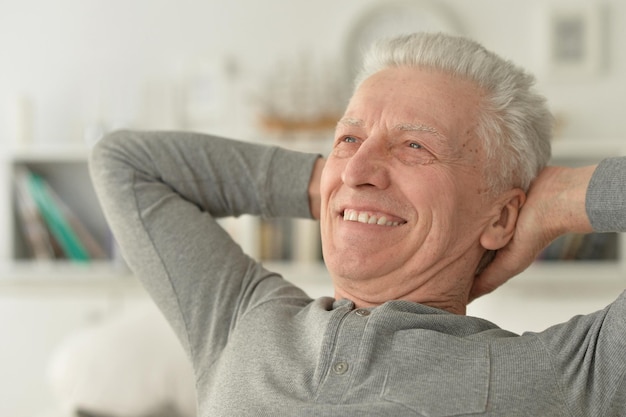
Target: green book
{"points": [[58, 225]]}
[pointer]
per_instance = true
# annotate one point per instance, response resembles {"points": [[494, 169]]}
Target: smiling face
{"points": [[403, 195]]}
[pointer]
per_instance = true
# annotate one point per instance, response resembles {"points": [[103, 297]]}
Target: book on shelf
{"points": [[33, 225], [287, 239], [276, 239], [52, 229], [582, 247]]}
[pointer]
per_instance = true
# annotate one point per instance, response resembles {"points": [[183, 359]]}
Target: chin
{"points": [[356, 267]]}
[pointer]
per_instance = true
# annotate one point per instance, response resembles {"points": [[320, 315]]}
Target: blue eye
{"points": [[349, 139], [415, 145]]}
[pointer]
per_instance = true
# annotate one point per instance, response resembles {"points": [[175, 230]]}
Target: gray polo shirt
{"points": [[261, 347]]}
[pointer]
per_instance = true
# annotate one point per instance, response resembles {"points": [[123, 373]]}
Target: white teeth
{"points": [[364, 217]]}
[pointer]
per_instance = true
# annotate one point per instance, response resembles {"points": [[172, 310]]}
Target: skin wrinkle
{"points": [[437, 188], [407, 127], [435, 140]]}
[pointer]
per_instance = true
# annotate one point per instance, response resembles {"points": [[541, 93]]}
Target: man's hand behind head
{"points": [[555, 205]]}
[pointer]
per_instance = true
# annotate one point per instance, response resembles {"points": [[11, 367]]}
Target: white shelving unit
{"points": [[44, 302], [65, 167]]}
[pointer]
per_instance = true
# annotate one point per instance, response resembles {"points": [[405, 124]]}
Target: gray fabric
{"points": [[261, 347], [606, 205]]}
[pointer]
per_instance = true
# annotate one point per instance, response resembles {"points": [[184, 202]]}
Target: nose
{"points": [[368, 166]]}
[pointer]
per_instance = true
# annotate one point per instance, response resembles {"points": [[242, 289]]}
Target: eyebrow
{"points": [[348, 121], [405, 127], [412, 127]]}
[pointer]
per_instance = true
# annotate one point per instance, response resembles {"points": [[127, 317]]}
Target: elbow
{"points": [[109, 148], [107, 143], [108, 155]]}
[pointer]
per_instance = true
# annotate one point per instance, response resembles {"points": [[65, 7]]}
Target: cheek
{"points": [[326, 183], [435, 190], [440, 205], [331, 180]]}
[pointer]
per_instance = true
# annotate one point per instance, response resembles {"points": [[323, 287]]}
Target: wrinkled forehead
{"points": [[417, 99]]}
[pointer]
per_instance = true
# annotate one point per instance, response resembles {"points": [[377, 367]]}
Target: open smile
{"points": [[365, 217]]}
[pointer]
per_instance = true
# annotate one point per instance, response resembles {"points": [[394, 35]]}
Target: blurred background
{"points": [[74, 66], [274, 71]]}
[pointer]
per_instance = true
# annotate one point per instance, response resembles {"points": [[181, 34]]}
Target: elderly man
{"points": [[429, 176]]}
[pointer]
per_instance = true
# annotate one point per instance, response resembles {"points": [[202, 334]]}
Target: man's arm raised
{"points": [[555, 205]]}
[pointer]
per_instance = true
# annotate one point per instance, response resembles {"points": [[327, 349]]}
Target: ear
{"points": [[501, 226]]}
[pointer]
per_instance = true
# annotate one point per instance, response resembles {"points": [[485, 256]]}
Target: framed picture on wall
{"points": [[575, 39]]}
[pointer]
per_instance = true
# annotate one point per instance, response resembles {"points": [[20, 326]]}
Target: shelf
{"points": [[609, 268], [66, 173], [567, 278], [62, 271], [65, 166], [64, 152], [66, 277]]}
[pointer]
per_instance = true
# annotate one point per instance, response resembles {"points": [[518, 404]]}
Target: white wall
{"points": [[79, 61]]}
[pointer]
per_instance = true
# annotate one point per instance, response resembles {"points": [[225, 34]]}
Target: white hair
{"points": [[515, 123]]}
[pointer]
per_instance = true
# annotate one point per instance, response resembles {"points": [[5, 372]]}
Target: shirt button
{"points": [[340, 368], [361, 312]]}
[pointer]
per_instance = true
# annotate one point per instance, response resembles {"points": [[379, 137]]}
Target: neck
{"points": [[445, 284], [451, 297]]}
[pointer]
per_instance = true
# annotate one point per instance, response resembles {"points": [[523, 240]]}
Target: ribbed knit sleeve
{"points": [[606, 196]]}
